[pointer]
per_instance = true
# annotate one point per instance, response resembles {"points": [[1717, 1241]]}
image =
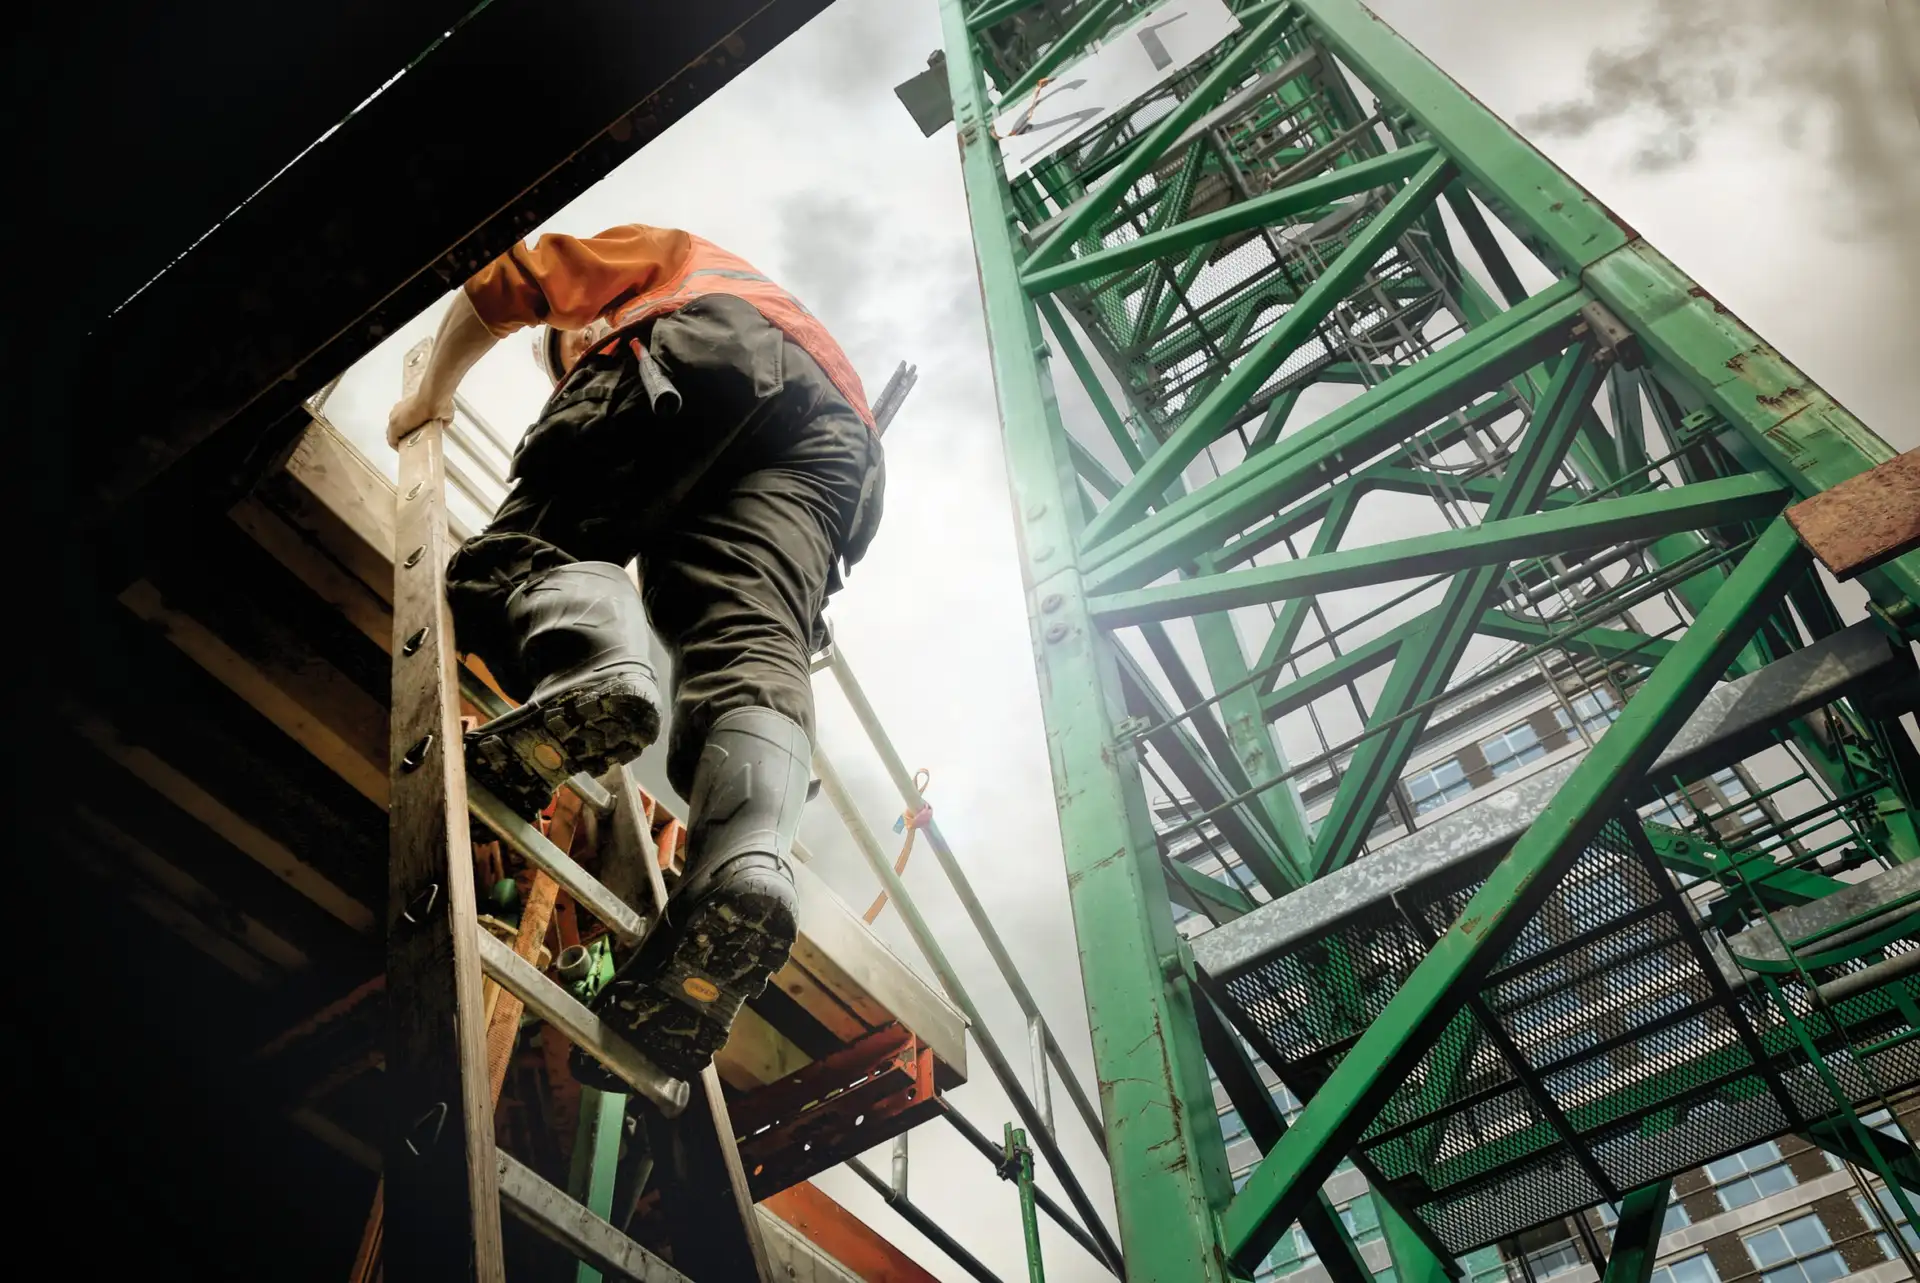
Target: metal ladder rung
{"points": [[547, 1209], [533, 847], [582, 1028]]}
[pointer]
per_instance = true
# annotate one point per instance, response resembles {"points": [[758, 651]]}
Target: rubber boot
{"points": [[732, 920], [583, 639]]}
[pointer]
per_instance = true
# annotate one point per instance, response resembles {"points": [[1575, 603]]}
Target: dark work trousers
{"points": [[740, 509]]}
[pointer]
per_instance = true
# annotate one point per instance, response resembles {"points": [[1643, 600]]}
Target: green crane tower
{"points": [[1396, 433]]}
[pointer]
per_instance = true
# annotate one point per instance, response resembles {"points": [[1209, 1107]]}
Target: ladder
{"points": [[437, 1216]]}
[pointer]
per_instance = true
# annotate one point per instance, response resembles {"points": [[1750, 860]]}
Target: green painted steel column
{"points": [[1020, 1158], [1429, 998], [596, 1159], [1163, 1138], [1413, 1260], [1636, 1239]]}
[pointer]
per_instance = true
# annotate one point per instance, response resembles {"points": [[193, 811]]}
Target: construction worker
{"points": [[704, 424]]}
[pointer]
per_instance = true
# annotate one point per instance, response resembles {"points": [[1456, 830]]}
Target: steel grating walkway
{"points": [[1613, 1045]]}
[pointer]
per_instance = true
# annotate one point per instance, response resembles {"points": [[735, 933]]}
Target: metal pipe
{"points": [[1037, 1057], [1892, 968], [1019, 1162], [1573, 574], [900, 1163], [925, 1224], [978, 1139], [863, 837], [917, 802]]}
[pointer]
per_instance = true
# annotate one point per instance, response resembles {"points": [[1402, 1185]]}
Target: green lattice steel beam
{"points": [[1262, 211], [1298, 464], [1749, 497], [1779, 426], [1778, 886], [1163, 1138], [1610, 644], [1225, 76], [1348, 1101], [1420, 676], [1838, 1137], [1209, 419], [1807, 437]]}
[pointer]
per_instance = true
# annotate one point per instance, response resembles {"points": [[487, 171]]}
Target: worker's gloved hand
{"points": [[412, 412]]}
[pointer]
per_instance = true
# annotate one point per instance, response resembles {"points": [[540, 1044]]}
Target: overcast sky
{"points": [[1772, 158]]}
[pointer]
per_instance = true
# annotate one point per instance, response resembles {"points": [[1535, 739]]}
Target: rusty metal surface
{"points": [[835, 1108], [1864, 522]]}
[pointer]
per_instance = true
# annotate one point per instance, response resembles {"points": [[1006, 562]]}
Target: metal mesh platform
{"points": [[1607, 1050]]}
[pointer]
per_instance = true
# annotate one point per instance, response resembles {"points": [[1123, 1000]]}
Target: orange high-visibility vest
{"points": [[712, 270]]}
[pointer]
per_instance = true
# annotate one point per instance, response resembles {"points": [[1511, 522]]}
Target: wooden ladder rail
{"points": [[437, 1212]]}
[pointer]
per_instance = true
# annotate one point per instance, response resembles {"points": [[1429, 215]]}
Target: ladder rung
{"points": [[547, 1209], [584, 1029], [533, 847]]}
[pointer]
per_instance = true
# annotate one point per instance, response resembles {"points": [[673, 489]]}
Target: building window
{"points": [[1438, 785], [1797, 1252], [1750, 1175], [1293, 1253], [1561, 1258], [1676, 1217], [1882, 1121], [1512, 749], [1362, 1219], [1890, 1214], [1692, 1269], [1596, 710], [1496, 1272]]}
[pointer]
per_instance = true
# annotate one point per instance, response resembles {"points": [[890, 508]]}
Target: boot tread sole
{"points": [[678, 1002], [590, 728]]}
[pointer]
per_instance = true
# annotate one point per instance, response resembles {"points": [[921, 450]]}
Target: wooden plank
{"points": [[843, 1236], [313, 702], [210, 811], [177, 918], [756, 1053], [819, 1002], [844, 954], [1865, 521], [328, 490], [333, 583], [191, 894], [503, 1022], [442, 1199]]}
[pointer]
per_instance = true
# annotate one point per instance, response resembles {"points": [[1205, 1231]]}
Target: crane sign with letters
{"points": [[1075, 99]]}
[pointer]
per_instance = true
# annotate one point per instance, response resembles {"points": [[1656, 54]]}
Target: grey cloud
{"points": [[829, 239], [1848, 68]]}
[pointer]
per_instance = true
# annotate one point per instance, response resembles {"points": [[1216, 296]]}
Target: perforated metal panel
{"points": [[1622, 1023]]}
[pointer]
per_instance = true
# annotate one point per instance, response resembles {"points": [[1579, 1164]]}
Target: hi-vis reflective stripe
{"points": [[734, 274]]}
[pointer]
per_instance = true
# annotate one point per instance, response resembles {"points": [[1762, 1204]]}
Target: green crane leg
{"points": [[1163, 1138]]}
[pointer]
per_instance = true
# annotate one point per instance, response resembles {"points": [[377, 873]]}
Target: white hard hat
{"points": [[546, 353]]}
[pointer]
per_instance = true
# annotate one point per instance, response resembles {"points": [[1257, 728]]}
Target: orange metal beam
{"points": [[844, 1236]]}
